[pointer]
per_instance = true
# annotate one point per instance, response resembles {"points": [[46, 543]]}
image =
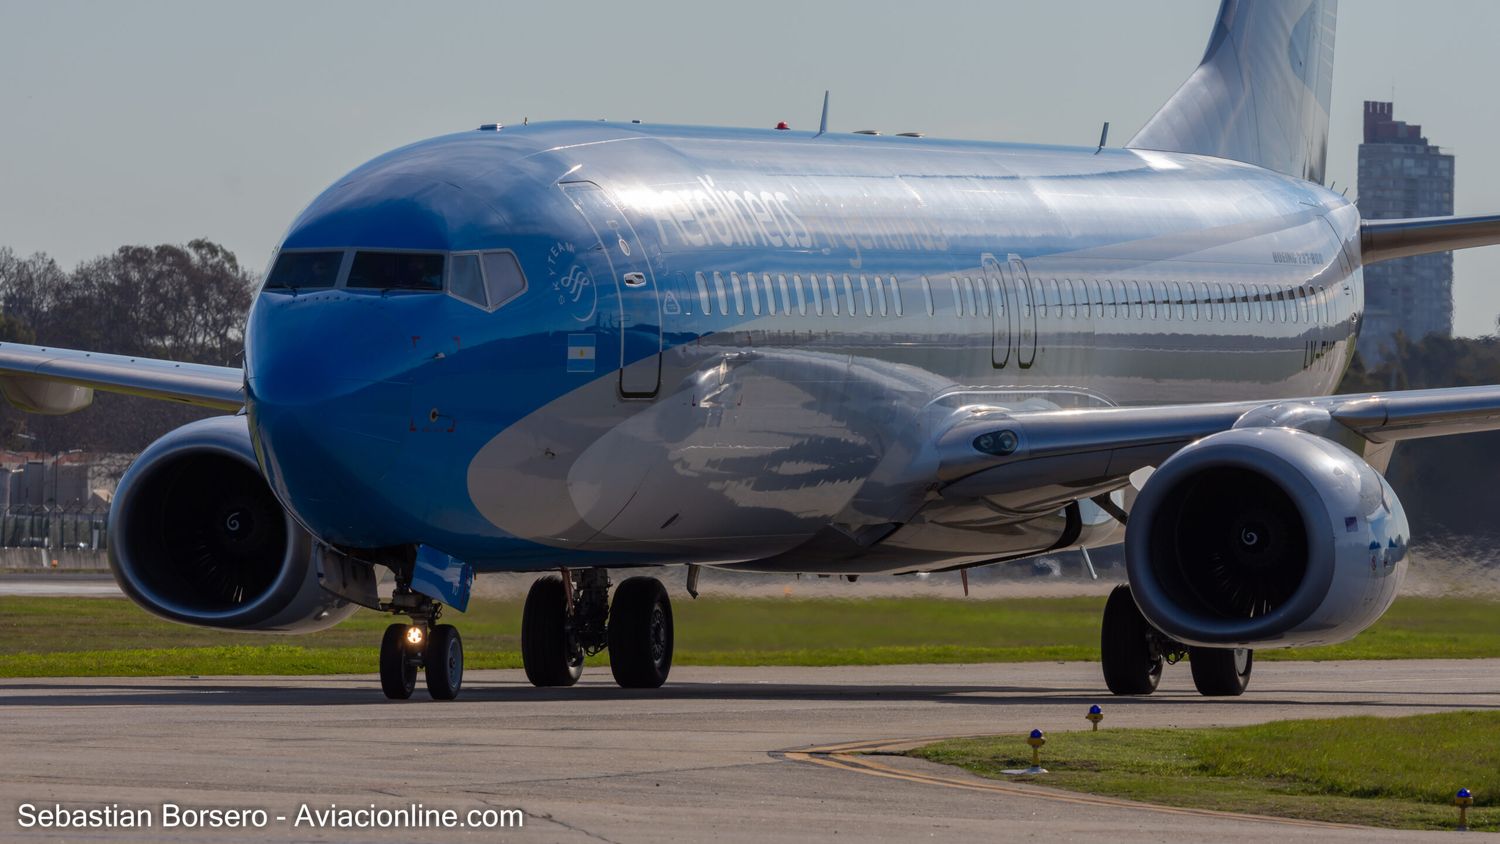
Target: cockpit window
{"points": [[397, 271], [486, 279], [465, 280], [502, 277], [305, 270]]}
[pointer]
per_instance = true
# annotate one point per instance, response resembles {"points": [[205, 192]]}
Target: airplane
{"points": [[579, 348]]}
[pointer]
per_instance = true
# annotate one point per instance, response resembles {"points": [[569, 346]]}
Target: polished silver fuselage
{"points": [[781, 327]]}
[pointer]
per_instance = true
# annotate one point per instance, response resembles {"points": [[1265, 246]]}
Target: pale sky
{"points": [[159, 122]]}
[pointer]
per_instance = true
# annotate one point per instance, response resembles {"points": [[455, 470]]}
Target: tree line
{"points": [[180, 302]]}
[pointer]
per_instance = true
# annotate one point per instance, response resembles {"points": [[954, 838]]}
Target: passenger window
{"points": [[750, 287], [896, 297], [1081, 296], [1133, 293], [849, 295], [765, 283], [833, 294], [1054, 299], [703, 300], [1110, 304], [1096, 298], [817, 293], [396, 271], [723, 297], [502, 277], [305, 270], [880, 303], [1069, 304], [864, 291], [958, 298], [968, 284], [998, 294], [739, 294], [927, 296], [786, 295], [1218, 296], [1178, 300], [466, 280]]}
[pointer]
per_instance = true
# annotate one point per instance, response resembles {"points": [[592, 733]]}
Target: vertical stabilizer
{"points": [[1261, 94]]}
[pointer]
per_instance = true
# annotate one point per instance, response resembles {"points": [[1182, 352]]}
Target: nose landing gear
{"points": [[424, 645]]}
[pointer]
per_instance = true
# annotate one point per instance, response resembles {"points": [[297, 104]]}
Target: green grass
{"points": [[112, 637], [1391, 772]]}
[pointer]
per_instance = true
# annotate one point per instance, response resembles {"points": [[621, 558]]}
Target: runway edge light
{"points": [[1463, 800], [1036, 739]]}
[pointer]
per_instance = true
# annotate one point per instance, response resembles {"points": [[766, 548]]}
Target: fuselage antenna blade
{"points": [[1103, 137], [823, 124]]}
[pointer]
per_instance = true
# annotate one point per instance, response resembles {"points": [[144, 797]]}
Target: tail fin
{"points": [[1261, 94]]}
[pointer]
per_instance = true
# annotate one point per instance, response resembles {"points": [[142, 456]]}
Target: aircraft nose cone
{"points": [[328, 407]]}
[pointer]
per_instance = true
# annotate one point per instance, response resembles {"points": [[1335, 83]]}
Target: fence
{"points": [[79, 527]]}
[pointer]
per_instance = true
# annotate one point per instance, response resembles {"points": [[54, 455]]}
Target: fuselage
{"points": [[736, 347]]}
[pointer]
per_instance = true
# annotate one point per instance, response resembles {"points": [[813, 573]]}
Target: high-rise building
{"points": [[1402, 175]]}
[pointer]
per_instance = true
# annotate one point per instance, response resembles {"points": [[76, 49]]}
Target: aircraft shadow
{"points": [[188, 693]]}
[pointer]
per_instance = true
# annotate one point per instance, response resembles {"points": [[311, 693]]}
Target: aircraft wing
{"points": [[53, 381], [995, 451]]}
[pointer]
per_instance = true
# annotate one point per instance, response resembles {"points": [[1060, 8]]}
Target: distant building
{"points": [[1402, 175]]}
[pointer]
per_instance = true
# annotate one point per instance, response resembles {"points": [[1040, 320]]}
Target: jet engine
{"points": [[1265, 537], [196, 536]]}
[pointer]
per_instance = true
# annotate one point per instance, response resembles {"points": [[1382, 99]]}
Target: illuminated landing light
{"points": [[414, 635]]}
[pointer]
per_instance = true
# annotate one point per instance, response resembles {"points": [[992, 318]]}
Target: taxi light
{"points": [[414, 635]]}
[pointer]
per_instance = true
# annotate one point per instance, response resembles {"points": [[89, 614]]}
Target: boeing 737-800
{"points": [[572, 348]]}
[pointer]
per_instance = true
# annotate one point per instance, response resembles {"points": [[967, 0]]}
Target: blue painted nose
{"points": [[329, 407]]}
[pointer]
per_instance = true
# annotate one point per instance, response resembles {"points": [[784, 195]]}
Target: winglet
{"points": [[823, 124]]}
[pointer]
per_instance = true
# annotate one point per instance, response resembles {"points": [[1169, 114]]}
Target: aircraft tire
{"points": [[1221, 672], [444, 660], [398, 672], [640, 634], [547, 653], [1131, 665]]}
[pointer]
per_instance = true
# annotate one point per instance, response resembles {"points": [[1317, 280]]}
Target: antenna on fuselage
{"points": [[1103, 136], [823, 124]]}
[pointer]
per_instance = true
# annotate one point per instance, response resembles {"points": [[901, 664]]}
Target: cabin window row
{"points": [[757, 294], [762, 293]]}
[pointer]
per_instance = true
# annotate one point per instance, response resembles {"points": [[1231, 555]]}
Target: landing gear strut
{"points": [[570, 617], [421, 645]]}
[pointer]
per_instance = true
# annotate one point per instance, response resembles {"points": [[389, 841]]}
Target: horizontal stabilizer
{"points": [[1383, 240]]}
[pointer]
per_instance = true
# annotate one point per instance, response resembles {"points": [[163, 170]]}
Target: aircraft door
{"points": [[635, 287], [1025, 312], [1003, 312]]}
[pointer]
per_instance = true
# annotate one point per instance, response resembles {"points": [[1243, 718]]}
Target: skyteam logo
{"points": [[581, 352], [571, 282]]}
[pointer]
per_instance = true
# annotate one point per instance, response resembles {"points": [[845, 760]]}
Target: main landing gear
{"points": [[568, 618], [424, 645], [1133, 653]]}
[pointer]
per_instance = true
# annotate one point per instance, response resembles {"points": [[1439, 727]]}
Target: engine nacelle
{"points": [[195, 535], [1265, 537]]}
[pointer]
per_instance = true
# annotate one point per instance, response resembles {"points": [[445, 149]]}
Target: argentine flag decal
{"points": [[580, 353]]}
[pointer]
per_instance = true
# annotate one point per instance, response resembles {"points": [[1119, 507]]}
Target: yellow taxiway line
{"points": [[856, 757]]}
